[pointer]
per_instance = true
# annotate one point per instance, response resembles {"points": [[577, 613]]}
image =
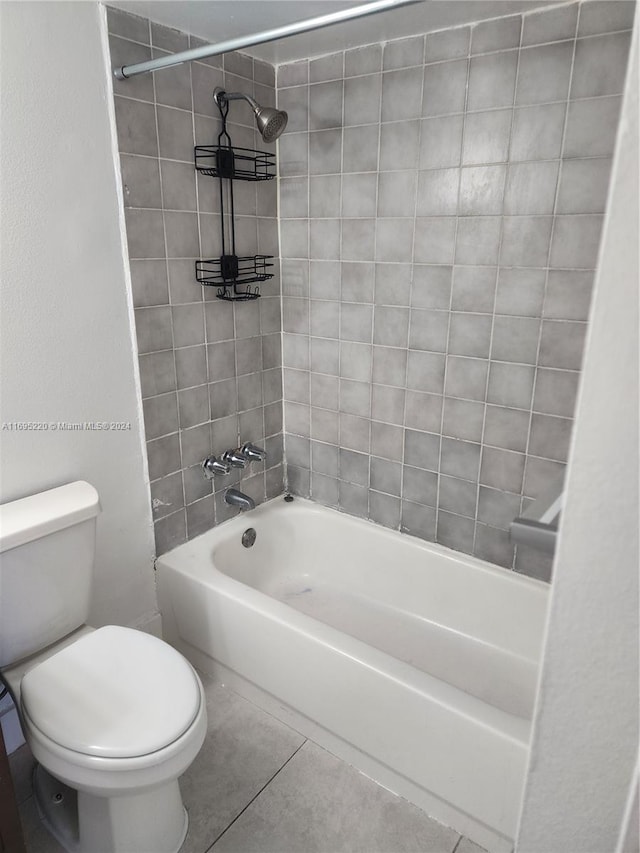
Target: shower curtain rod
{"points": [[124, 72]]}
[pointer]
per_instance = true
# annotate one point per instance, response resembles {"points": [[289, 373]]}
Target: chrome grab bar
{"points": [[538, 526]]}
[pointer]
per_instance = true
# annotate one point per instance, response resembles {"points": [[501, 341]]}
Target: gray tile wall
{"points": [[441, 200], [210, 371]]}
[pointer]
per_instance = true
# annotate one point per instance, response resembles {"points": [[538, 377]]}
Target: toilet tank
{"points": [[47, 547]]}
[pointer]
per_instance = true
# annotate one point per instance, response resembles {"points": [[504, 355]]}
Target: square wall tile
{"points": [[525, 241], [470, 334], [474, 289], [486, 137], [463, 419], [394, 239], [363, 60], [431, 286], [455, 531], [481, 190], [459, 496], [402, 53], [466, 378], [425, 371], [492, 80], [399, 146], [136, 126], [419, 486], [605, 16], [362, 96], [531, 188], [440, 142], [515, 339], [544, 73], [498, 34], [591, 127], [506, 428], [447, 44], [429, 330], [444, 88], [510, 384], [391, 326], [562, 344], [607, 53], [325, 105], [423, 411], [584, 185], [537, 132], [556, 392], [568, 294], [325, 152], [550, 437], [502, 469], [389, 366], [478, 240], [434, 240], [397, 194], [330, 67], [359, 192], [548, 25], [401, 94], [360, 148], [421, 450], [418, 520], [437, 192], [387, 404], [520, 291], [384, 509], [576, 241]]}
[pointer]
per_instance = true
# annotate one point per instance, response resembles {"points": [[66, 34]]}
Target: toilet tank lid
{"points": [[33, 517]]}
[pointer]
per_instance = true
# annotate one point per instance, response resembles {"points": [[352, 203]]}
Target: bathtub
{"points": [[416, 664]]}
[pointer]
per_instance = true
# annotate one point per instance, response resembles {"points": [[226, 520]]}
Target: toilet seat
{"points": [[115, 693]]}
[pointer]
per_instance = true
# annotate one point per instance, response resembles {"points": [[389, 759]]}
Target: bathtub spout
{"points": [[235, 498]]}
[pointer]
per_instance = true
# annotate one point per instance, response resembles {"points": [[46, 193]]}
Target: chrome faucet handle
{"points": [[253, 453], [235, 458], [212, 466]]}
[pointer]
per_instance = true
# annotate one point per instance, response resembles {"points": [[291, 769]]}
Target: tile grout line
{"points": [[495, 293], [416, 170], [550, 251], [373, 262], [451, 282], [255, 797], [183, 509]]}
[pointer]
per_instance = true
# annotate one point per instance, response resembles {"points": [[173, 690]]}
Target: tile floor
{"points": [[258, 786]]}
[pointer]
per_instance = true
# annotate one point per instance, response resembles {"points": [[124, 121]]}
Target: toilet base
{"points": [[57, 806], [153, 821]]}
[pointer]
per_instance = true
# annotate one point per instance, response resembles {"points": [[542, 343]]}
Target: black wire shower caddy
{"points": [[232, 274]]}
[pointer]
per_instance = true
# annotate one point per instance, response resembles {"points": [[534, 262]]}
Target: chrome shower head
{"points": [[271, 122]]}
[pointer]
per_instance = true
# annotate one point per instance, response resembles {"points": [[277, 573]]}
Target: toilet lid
{"points": [[116, 693]]}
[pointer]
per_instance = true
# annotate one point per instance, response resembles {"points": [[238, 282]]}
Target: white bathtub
{"points": [[415, 663]]}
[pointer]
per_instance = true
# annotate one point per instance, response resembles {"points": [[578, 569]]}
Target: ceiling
{"points": [[218, 20]]}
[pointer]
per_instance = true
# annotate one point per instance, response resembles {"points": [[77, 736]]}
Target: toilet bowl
{"points": [[113, 716], [117, 715]]}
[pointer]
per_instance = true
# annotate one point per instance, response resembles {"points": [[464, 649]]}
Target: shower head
{"points": [[271, 122]]}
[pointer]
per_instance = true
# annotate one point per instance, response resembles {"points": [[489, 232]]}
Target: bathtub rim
{"points": [[185, 560], [509, 575]]}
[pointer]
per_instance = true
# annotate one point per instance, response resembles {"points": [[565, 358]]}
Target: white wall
{"points": [[67, 352], [585, 741]]}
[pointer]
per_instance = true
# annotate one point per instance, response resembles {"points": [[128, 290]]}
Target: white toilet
{"points": [[112, 715]]}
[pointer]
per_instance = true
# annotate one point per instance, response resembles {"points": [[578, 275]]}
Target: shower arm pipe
{"points": [[124, 72], [239, 96]]}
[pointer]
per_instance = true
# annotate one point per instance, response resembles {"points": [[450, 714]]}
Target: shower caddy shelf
{"points": [[231, 274]]}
